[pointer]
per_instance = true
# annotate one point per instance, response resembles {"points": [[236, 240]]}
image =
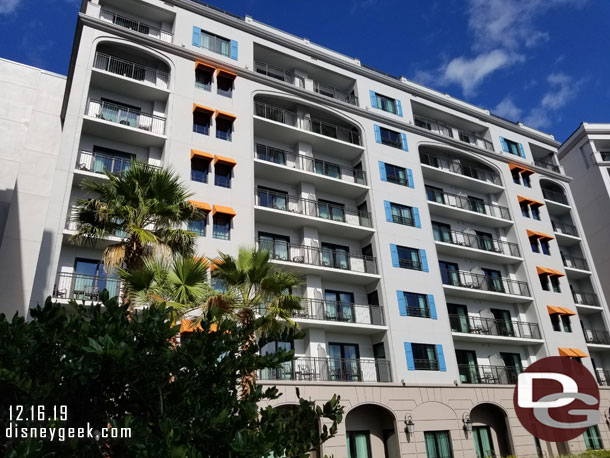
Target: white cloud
{"points": [[8, 6], [562, 89], [507, 109]]}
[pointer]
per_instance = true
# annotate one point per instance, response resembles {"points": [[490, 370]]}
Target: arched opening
{"points": [[371, 432], [553, 191], [490, 431]]}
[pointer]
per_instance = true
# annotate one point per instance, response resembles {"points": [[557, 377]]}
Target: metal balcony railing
{"points": [[575, 262], [468, 137], [136, 26], [426, 364], [277, 73], [100, 162], [334, 93], [585, 298], [344, 312], [477, 242], [595, 336], [467, 203], [331, 370], [492, 327], [496, 375], [131, 70], [603, 377], [564, 228], [305, 123], [125, 116], [447, 131], [310, 164], [317, 209], [323, 257], [456, 166], [72, 223], [548, 165], [469, 280], [555, 196], [85, 287]]}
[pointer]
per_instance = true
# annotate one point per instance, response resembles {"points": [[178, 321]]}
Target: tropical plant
{"points": [[144, 206]]}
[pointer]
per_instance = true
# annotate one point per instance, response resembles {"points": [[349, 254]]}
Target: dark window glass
{"points": [[565, 321], [556, 322], [203, 78], [224, 128], [544, 245], [198, 227], [417, 304], [442, 232], [555, 284], [516, 176], [534, 244], [386, 103], [526, 180], [222, 227], [395, 174], [200, 168], [525, 209], [438, 444], [225, 86], [425, 357], [222, 175], [408, 258], [535, 212], [201, 122], [276, 245], [544, 282], [513, 147], [390, 137], [402, 214]]}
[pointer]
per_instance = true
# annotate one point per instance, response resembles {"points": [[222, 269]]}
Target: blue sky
{"points": [[542, 62]]}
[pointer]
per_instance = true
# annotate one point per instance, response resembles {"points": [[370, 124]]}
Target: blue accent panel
{"points": [[394, 250], [409, 353], [504, 145], [402, 304], [441, 358], [432, 306], [377, 134], [373, 99], [410, 178], [398, 108], [424, 260], [196, 36], [416, 217], [388, 211], [521, 150], [233, 54], [382, 172], [405, 145]]}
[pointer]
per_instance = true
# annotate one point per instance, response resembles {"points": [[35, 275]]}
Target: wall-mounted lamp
{"points": [[467, 422], [410, 425]]}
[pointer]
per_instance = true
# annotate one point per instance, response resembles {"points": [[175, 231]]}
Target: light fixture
{"points": [[410, 425], [467, 422]]}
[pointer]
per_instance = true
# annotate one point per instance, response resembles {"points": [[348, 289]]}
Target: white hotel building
{"points": [[439, 244]]}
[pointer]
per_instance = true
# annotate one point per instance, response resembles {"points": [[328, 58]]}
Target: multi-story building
{"points": [[434, 238]]}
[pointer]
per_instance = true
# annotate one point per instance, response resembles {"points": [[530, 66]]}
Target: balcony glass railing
{"points": [[455, 166], [493, 327], [136, 26], [317, 209], [331, 370], [477, 242], [467, 203], [564, 228], [469, 280], [335, 93], [99, 162], [548, 165], [447, 131], [310, 164], [555, 196], [131, 70], [278, 73], [305, 123], [575, 262], [85, 287], [496, 375], [125, 116], [344, 312], [595, 336], [585, 298]]}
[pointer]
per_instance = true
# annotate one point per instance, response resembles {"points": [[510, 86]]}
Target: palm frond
{"points": [[113, 257]]}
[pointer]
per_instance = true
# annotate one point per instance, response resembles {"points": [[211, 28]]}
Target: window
{"points": [[516, 176], [224, 128], [327, 168], [555, 284], [485, 241], [468, 366], [417, 304], [390, 138], [535, 212], [344, 362], [286, 369], [200, 168], [276, 245], [494, 281], [408, 258], [89, 280], [593, 439], [272, 198], [331, 210], [512, 362], [201, 122], [224, 85], [397, 175], [105, 159], [386, 103], [435, 194], [425, 357], [450, 273], [198, 227], [483, 443], [359, 444], [215, 43], [402, 214], [513, 147], [203, 78], [527, 182], [476, 205], [339, 306], [335, 256], [549, 282], [222, 226], [544, 245], [438, 444], [565, 321], [605, 155], [556, 322], [441, 232], [222, 174], [534, 244], [270, 154], [525, 209]]}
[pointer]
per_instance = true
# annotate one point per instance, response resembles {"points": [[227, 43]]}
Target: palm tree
{"points": [[145, 207]]}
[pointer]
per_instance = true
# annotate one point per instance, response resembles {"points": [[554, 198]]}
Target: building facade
{"points": [[429, 233]]}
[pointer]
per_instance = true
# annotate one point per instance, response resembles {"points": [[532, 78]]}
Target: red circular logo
{"points": [[556, 399]]}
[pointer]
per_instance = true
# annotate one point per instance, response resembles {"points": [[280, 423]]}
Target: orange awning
{"points": [[554, 310], [520, 168], [203, 64], [544, 270], [225, 114], [188, 326], [529, 201], [202, 154], [226, 160], [567, 311], [571, 352], [201, 205], [540, 235], [226, 72], [558, 273], [196, 107], [223, 210]]}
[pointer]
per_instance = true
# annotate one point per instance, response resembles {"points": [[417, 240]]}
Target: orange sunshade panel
{"points": [[520, 168], [197, 107], [567, 311], [558, 273], [540, 235], [225, 114], [579, 354], [529, 201], [554, 310], [201, 205], [203, 64], [226, 160], [224, 210], [566, 352], [189, 326], [202, 154], [544, 270], [226, 73]]}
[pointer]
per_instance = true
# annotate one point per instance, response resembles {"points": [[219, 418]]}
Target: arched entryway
{"points": [[490, 431], [371, 432]]}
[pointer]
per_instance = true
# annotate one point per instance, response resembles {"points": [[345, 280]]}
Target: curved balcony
{"points": [[85, 287], [330, 370], [596, 337], [557, 201], [466, 208], [487, 374], [480, 329], [136, 25], [548, 165], [476, 247], [478, 286], [131, 70]]}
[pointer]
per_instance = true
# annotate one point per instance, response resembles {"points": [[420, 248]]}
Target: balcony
{"points": [[445, 130], [136, 26], [555, 196], [85, 287], [330, 370], [347, 221], [585, 298], [467, 209], [458, 173], [335, 93], [330, 314], [478, 286], [96, 164], [596, 337], [548, 165], [131, 70], [566, 233], [474, 328], [603, 377], [576, 267], [494, 375], [464, 244], [72, 226]]}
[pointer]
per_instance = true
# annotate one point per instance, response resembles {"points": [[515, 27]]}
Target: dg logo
{"points": [[556, 399]]}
